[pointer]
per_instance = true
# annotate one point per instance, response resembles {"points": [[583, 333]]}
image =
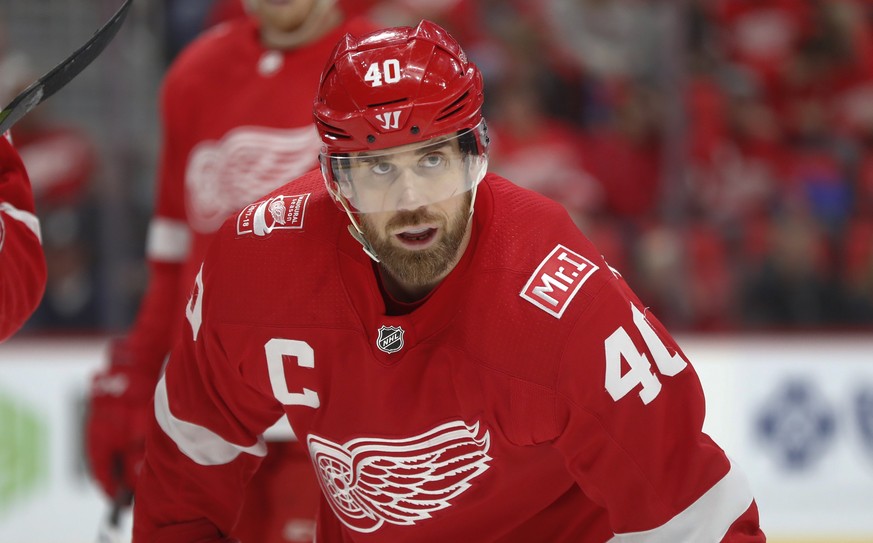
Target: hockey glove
{"points": [[120, 406]]}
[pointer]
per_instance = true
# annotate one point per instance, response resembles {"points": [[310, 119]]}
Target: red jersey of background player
{"points": [[220, 153], [236, 109], [22, 262], [499, 409]]}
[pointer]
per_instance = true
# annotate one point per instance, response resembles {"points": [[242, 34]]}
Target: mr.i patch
{"points": [[557, 279]]}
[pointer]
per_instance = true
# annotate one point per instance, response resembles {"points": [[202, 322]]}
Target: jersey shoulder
{"points": [[535, 275], [298, 211], [203, 60], [521, 216], [532, 237], [562, 310], [276, 251]]}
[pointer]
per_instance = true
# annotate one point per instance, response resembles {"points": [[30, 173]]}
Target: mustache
{"points": [[412, 218]]}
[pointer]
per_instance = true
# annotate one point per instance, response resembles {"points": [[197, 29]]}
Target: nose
{"points": [[410, 191]]}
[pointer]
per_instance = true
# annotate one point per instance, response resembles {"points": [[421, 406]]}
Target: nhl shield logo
{"points": [[390, 339]]}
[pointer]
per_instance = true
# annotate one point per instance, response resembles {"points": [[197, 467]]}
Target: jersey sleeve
{"points": [[168, 244], [22, 261], [176, 109], [205, 440], [631, 409]]}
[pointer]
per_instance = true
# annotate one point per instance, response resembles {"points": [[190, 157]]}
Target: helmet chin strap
{"points": [[356, 232], [474, 190]]}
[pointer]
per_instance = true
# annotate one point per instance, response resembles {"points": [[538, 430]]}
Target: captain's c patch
{"points": [[557, 280]]}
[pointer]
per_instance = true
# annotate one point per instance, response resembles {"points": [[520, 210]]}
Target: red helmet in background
{"points": [[396, 87]]}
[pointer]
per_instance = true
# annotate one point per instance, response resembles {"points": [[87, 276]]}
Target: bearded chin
{"points": [[424, 267]]}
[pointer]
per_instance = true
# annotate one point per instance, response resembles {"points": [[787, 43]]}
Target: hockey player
{"points": [[236, 110], [477, 373], [22, 261]]}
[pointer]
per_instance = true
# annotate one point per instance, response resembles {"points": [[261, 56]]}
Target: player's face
{"points": [[412, 203], [419, 247], [406, 177], [282, 15]]}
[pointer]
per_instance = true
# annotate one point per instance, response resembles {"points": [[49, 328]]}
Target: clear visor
{"points": [[406, 177]]}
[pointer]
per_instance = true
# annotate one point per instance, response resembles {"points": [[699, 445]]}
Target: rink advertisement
{"points": [[794, 412], [797, 414]]}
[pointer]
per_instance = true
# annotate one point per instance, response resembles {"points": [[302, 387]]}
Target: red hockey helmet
{"points": [[396, 101], [396, 87]]}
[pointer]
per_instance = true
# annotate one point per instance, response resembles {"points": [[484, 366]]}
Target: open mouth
{"points": [[417, 237]]}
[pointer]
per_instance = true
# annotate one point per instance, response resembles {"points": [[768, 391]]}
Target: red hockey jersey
{"points": [[531, 397], [22, 262], [237, 123]]}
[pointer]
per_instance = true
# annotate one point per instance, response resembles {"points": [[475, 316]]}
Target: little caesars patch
{"points": [[279, 213]]}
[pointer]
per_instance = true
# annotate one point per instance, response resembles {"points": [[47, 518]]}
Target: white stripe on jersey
{"points": [[198, 443], [168, 240], [705, 521], [28, 219], [281, 431]]}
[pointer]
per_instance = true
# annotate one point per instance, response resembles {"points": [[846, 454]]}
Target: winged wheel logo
{"points": [[371, 481]]}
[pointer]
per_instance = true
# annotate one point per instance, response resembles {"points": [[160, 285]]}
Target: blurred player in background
{"points": [[477, 373], [22, 263], [61, 162], [236, 110]]}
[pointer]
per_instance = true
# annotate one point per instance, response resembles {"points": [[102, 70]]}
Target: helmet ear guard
{"points": [[338, 178], [475, 141]]}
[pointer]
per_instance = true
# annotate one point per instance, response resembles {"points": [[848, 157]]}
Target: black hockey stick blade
{"points": [[63, 73]]}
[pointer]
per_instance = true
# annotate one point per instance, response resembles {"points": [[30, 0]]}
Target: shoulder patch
{"points": [[279, 213], [557, 279]]}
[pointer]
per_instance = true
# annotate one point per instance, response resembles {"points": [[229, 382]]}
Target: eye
{"points": [[432, 160], [382, 168]]}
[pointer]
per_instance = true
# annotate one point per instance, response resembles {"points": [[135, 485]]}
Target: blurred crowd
{"points": [[718, 152]]}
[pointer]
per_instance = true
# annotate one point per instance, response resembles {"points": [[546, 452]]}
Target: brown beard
{"points": [[420, 268]]}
